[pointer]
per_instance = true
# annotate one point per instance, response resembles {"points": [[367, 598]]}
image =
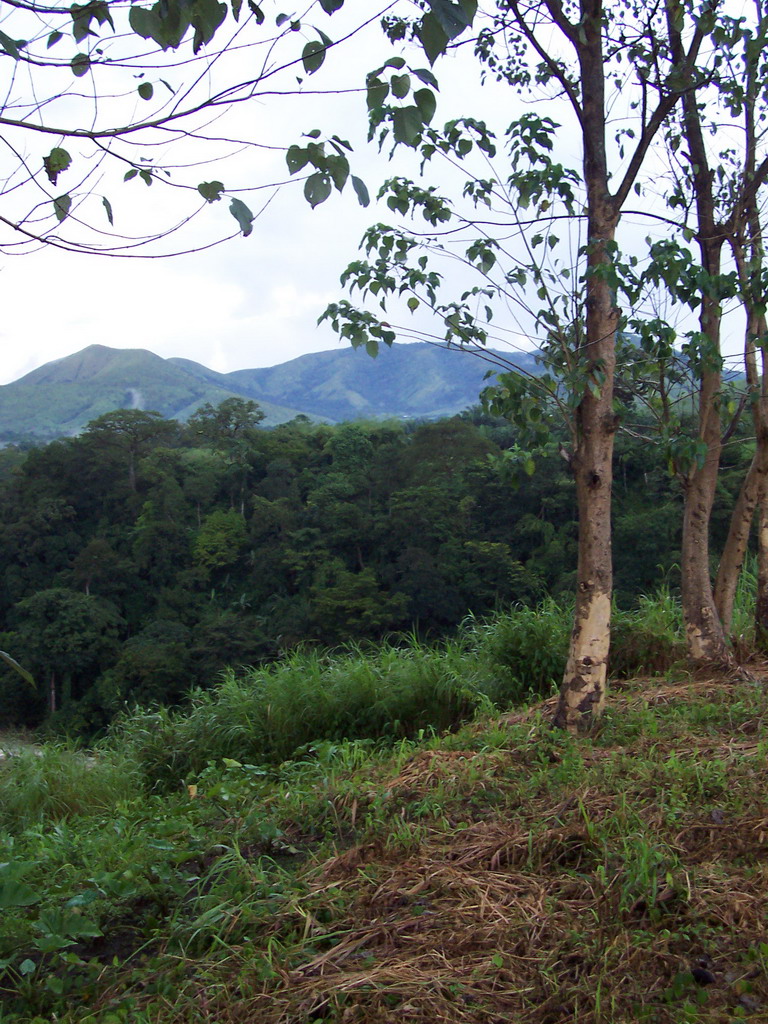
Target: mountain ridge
{"points": [[415, 380]]}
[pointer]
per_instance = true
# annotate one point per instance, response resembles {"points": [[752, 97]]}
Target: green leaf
{"points": [[257, 12], [317, 188], [27, 966], [406, 125], [83, 15], [401, 85], [52, 943], [61, 207], [146, 90], [130, 174], [57, 161], [338, 168], [433, 38], [413, 303], [63, 922], [16, 894], [11, 46], [377, 92], [242, 215], [108, 207], [237, 6], [165, 23], [146, 176], [80, 64], [210, 190], [361, 191], [426, 76], [329, 6], [313, 56], [17, 668], [454, 18], [206, 17], [53, 38], [426, 101], [296, 158]]}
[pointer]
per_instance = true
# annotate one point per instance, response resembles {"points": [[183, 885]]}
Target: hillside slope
{"points": [[504, 872], [61, 397], [413, 381]]}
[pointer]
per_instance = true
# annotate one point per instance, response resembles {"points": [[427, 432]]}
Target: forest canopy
{"points": [[143, 556]]}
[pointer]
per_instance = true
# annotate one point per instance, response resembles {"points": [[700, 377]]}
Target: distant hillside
{"points": [[61, 397], [406, 381], [417, 380]]}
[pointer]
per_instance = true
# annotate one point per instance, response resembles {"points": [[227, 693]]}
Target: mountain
{"points": [[62, 396], [417, 380], [406, 381]]}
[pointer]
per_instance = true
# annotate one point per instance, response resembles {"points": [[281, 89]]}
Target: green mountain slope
{"points": [[406, 381], [61, 397], [416, 380]]}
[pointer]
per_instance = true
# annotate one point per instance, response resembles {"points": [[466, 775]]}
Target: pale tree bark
{"points": [[583, 691], [703, 629], [592, 36]]}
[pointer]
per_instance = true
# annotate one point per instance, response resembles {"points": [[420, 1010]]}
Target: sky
{"points": [[250, 302]]}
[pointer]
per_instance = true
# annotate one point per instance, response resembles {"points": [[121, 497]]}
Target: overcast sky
{"points": [[251, 301]]}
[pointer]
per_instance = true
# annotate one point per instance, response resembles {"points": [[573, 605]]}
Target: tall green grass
{"points": [[57, 782], [649, 639], [268, 714], [522, 651], [743, 624], [384, 692]]}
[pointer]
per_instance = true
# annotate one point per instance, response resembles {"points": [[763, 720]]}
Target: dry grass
{"points": [[582, 897]]}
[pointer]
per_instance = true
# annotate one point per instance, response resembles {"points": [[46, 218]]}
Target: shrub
{"points": [[523, 651]]}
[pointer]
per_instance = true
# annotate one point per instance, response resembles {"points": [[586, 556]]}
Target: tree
{"points": [[230, 429], [109, 93], [130, 434], [67, 638], [715, 181], [704, 627], [576, 58]]}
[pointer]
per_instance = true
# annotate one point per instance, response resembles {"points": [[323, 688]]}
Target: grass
{"points": [[57, 781], [386, 692], [494, 871]]}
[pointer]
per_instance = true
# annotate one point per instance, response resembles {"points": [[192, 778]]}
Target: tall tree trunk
{"points": [[583, 692], [703, 628], [704, 632], [751, 495], [755, 483], [761, 599], [746, 240]]}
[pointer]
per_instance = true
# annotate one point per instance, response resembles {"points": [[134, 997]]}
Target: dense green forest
{"points": [[143, 557]]}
